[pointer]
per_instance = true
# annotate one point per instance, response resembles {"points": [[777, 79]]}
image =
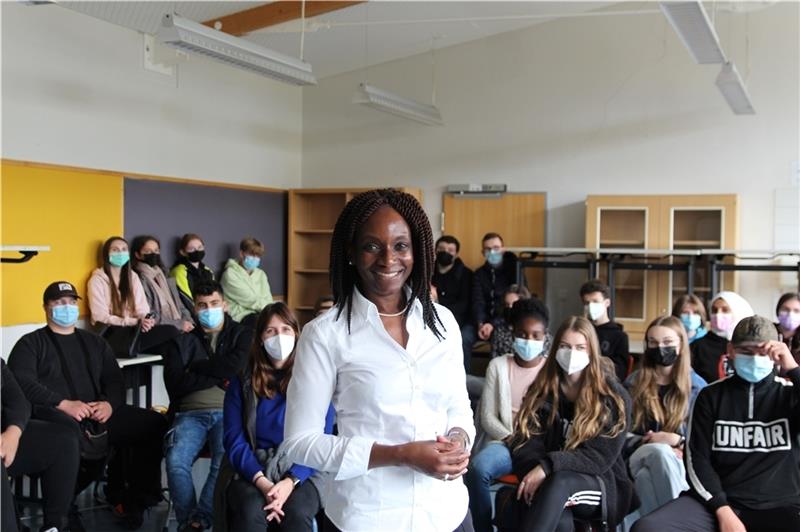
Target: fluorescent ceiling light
{"points": [[692, 25], [397, 105], [192, 37], [732, 87]]}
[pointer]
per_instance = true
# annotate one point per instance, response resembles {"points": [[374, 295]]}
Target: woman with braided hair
{"points": [[390, 360]]}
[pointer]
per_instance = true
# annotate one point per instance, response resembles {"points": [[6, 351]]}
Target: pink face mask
{"points": [[789, 320], [721, 324]]}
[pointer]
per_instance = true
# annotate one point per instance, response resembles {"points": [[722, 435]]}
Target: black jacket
{"points": [[16, 409], [488, 285], [600, 456], [740, 442], [709, 358], [189, 364], [37, 368], [614, 345], [455, 290]]}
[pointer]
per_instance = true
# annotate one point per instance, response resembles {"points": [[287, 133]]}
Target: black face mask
{"points": [[662, 356], [443, 258], [196, 255], [151, 259]]}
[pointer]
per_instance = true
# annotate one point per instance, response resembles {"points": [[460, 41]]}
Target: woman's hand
{"points": [[443, 459], [729, 521], [529, 484], [669, 438], [9, 443], [148, 323], [278, 495]]}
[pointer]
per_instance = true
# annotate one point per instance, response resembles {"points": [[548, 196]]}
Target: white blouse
{"points": [[382, 394]]}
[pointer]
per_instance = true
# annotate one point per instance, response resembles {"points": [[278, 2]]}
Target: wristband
{"points": [[681, 441]]}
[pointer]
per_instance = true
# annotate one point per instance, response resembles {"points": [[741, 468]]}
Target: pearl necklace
{"points": [[393, 315]]}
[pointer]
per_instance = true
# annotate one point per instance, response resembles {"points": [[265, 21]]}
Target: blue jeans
{"points": [[184, 441], [492, 462], [659, 475]]}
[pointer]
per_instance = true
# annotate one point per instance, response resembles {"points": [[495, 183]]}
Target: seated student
{"points": [[709, 358], [568, 437], [245, 284], [267, 488], [692, 312], [453, 282], [739, 461], [189, 270], [788, 311], [117, 301], [323, 305], [596, 298], [32, 447], [70, 375], [507, 379], [490, 281], [502, 339], [662, 390], [197, 369], [161, 291]]}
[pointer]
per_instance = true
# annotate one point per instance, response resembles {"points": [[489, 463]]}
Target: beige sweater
{"points": [[100, 301]]}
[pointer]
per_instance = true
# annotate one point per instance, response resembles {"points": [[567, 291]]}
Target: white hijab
{"points": [[740, 308]]}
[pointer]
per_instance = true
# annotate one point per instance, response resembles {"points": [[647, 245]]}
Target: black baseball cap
{"points": [[58, 290]]}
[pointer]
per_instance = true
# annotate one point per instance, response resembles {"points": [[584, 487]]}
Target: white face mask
{"points": [[572, 360], [595, 309], [280, 346]]}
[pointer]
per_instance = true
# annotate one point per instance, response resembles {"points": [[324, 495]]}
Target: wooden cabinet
{"points": [[670, 222], [312, 217]]}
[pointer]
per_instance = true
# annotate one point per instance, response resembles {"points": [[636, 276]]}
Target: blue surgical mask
{"points": [[753, 368], [65, 315], [119, 258], [211, 318], [493, 257], [526, 349], [250, 262], [691, 322]]}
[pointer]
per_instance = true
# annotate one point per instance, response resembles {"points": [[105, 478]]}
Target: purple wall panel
{"points": [[221, 216]]}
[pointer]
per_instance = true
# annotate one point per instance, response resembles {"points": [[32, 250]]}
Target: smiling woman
{"points": [[390, 360]]}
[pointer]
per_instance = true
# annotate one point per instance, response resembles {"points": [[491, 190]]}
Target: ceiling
{"points": [[337, 42]]}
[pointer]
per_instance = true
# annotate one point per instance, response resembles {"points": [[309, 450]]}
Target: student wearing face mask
{"points": [[596, 297], [709, 354], [197, 369], [742, 474], [502, 338], [189, 269], [161, 291], [263, 487], [71, 378], [788, 311], [692, 312], [490, 282], [453, 282], [507, 379], [568, 438], [245, 283], [118, 305], [662, 390]]}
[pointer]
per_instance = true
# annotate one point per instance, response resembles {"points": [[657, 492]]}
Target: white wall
{"points": [[610, 105], [75, 93]]}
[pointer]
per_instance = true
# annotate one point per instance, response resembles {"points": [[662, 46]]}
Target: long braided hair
{"points": [[344, 276]]}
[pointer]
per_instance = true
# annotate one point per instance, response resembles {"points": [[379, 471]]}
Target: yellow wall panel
{"points": [[71, 211]]}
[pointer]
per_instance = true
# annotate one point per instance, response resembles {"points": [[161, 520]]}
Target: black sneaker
{"points": [[74, 523]]}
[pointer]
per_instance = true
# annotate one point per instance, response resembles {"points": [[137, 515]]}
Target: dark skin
{"points": [[529, 329], [383, 257]]}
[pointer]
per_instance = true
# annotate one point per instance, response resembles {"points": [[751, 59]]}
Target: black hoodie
{"points": [[454, 290], [709, 357], [740, 441], [614, 345]]}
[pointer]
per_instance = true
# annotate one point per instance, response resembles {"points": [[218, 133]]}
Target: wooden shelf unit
{"points": [[660, 222], [312, 217]]}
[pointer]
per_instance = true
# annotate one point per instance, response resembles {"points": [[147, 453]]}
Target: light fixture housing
{"points": [[389, 102], [690, 21], [732, 87], [196, 38]]}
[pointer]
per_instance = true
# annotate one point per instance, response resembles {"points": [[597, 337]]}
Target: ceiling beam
{"points": [[267, 15]]}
